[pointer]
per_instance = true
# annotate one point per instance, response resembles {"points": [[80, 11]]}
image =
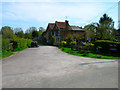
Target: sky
{"points": [[37, 13]]}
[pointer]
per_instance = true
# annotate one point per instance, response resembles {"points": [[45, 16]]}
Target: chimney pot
{"points": [[66, 22]]}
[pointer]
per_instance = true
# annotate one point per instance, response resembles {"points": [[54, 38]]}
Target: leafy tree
{"points": [[19, 32], [39, 33], [41, 29], [90, 27], [29, 31], [79, 37], [69, 39], [106, 21], [27, 35], [105, 28], [35, 34], [7, 32]]}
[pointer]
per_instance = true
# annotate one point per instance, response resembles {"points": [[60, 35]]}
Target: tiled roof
{"points": [[62, 25], [51, 25], [76, 28]]}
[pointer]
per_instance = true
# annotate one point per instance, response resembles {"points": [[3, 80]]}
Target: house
{"points": [[61, 30], [118, 35]]}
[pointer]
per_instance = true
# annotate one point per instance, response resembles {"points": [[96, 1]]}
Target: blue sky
{"points": [[39, 14]]}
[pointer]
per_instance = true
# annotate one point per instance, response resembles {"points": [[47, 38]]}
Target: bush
{"points": [[88, 46], [63, 43], [18, 44], [5, 44], [69, 40], [78, 47], [73, 43], [21, 43]]}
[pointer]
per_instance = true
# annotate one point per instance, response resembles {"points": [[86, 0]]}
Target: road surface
{"points": [[48, 67]]}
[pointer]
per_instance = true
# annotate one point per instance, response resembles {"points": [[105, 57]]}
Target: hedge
{"points": [[105, 45], [18, 44], [5, 44]]}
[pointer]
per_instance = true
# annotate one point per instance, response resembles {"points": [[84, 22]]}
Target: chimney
{"points": [[66, 23]]}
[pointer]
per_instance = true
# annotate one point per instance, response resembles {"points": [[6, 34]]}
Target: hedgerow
{"points": [[105, 45], [17, 44]]}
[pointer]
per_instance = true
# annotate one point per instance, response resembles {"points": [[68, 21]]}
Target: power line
{"points": [[102, 13]]}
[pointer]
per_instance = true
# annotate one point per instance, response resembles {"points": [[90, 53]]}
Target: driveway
{"points": [[48, 67]]}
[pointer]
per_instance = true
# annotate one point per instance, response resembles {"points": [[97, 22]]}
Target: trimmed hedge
{"points": [[104, 45]]}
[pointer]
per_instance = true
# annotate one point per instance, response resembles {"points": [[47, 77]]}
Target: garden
{"points": [[98, 41], [96, 50]]}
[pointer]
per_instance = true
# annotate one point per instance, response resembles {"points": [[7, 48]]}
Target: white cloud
{"points": [[49, 12], [52, 11], [59, 0]]}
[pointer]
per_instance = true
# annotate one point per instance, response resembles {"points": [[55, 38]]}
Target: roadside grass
{"points": [[8, 53], [84, 54]]}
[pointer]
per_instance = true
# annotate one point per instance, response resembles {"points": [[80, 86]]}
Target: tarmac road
{"points": [[48, 67]]}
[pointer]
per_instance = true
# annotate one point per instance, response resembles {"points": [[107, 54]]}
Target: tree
{"points": [[39, 33], [41, 29], [106, 21], [69, 39], [7, 32], [79, 37], [90, 27], [29, 31], [19, 32], [27, 35], [105, 28], [35, 34]]}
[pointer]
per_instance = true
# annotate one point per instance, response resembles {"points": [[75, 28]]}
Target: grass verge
{"points": [[8, 53], [84, 54]]}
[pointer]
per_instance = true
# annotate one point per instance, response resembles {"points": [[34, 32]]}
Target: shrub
{"points": [[78, 47], [29, 42], [63, 43], [73, 45], [88, 46], [5, 44], [17, 44], [69, 40]]}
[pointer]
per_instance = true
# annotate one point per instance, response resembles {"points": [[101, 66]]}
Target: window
{"points": [[54, 33], [58, 33], [51, 33]]}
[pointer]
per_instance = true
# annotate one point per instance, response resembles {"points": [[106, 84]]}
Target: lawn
{"points": [[84, 54]]}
